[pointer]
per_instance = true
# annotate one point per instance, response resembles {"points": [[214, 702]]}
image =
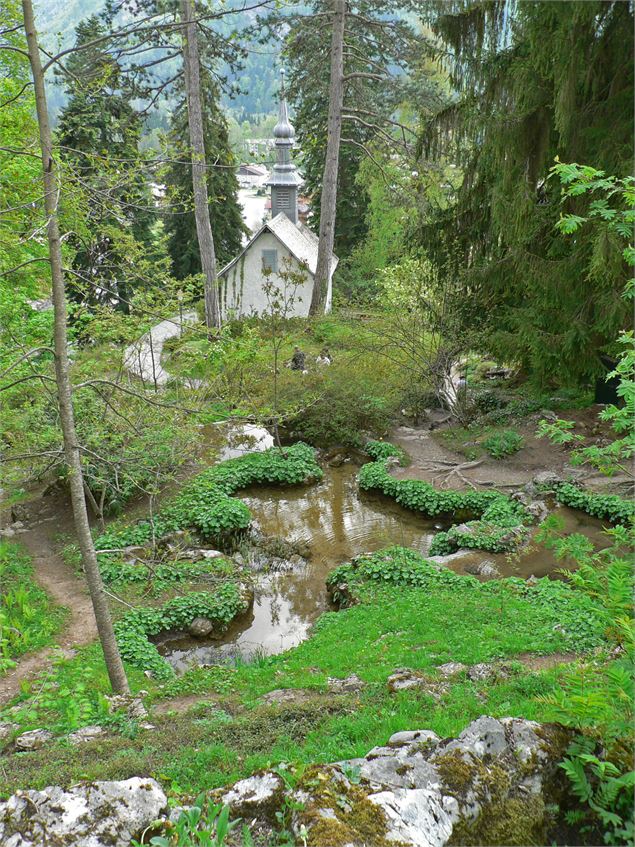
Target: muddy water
{"points": [[337, 522]]}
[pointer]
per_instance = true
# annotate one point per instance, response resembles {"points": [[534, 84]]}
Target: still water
{"points": [[337, 522]]}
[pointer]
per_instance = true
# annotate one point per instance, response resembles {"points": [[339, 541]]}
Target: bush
{"points": [[504, 443], [379, 450], [136, 626]]}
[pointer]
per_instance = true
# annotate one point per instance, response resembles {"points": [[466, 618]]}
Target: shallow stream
{"points": [[336, 522]]}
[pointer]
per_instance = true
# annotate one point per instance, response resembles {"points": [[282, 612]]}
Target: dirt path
{"points": [[428, 455], [44, 523]]}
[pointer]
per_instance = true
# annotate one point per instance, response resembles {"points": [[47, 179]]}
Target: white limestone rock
{"points": [[90, 815]]}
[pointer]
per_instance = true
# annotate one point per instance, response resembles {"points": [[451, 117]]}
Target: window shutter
{"points": [[270, 260]]}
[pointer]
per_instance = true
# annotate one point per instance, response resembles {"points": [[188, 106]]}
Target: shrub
{"points": [[379, 450], [504, 443], [609, 507]]}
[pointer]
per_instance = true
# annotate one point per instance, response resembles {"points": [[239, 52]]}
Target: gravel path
{"points": [[143, 358]]}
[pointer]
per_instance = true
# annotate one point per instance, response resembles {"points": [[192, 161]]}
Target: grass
{"points": [[235, 734], [28, 619]]}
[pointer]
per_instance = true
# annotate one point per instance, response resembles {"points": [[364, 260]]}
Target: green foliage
{"points": [[27, 618], [582, 620], [205, 504], [203, 824], [422, 497], [609, 507], [527, 90], [381, 450], [134, 628], [222, 186], [504, 443], [597, 699], [616, 456]]}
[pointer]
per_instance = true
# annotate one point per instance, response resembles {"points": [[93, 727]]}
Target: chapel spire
{"points": [[284, 180]]}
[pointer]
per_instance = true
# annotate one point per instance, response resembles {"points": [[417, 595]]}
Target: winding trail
{"points": [[62, 584], [143, 358]]}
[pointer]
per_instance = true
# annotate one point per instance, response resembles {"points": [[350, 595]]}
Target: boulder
{"points": [[6, 730], [200, 627], [487, 672], [86, 733], [33, 740], [258, 796], [131, 704], [491, 785], [91, 815], [486, 569], [547, 479], [406, 679], [538, 510], [451, 668], [349, 685]]}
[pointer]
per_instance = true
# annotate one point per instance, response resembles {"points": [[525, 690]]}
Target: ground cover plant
{"points": [[419, 618], [28, 619], [205, 503], [502, 444]]}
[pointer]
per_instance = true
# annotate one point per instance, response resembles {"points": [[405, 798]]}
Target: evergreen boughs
{"points": [[534, 81]]}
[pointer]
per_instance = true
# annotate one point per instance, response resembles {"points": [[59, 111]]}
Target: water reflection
{"points": [[337, 522]]}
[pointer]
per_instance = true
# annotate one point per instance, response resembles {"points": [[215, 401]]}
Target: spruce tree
{"points": [[99, 132], [222, 186], [533, 81]]}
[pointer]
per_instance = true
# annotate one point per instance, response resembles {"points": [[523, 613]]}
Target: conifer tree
{"points": [[222, 186], [534, 81], [98, 133]]}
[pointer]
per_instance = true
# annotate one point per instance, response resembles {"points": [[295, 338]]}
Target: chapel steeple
{"points": [[284, 180]]}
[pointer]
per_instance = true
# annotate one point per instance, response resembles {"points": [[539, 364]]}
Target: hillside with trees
{"points": [[318, 531]]}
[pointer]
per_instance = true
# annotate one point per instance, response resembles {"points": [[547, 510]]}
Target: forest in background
{"points": [[481, 204]]}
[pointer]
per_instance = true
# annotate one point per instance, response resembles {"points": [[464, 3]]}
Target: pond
{"points": [[336, 522]]}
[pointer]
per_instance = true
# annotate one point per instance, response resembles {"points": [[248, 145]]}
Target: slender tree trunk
{"points": [[199, 175], [329, 182], [114, 664]]}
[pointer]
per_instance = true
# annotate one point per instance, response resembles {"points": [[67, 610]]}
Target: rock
{"points": [[494, 784], [538, 510], [287, 695], [419, 817], [258, 796], [33, 740], [413, 737], [211, 554], [239, 559], [6, 730], [349, 685], [7, 533], [486, 569], [451, 668], [133, 706], [200, 627], [405, 679], [485, 672], [547, 479], [19, 512], [91, 815], [86, 733]]}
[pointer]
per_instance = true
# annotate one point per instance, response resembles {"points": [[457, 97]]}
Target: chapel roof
{"points": [[299, 240]]}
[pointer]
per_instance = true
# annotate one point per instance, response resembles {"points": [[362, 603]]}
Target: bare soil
{"points": [[431, 459]]}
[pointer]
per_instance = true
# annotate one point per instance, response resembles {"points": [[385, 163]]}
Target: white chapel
{"points": [[282, 243]]}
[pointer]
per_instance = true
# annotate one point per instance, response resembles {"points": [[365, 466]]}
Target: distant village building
{"points": [[282, 244], [252, 175]]}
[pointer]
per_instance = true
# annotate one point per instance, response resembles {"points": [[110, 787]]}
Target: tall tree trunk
{"points": [[329, 183], [199, 174], [114, 664]]}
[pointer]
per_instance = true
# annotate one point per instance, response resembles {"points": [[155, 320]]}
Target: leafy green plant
{"points": [[205, 504], [133, 629], [204, 824], [504, 443], [27, 618], [380, 450]]}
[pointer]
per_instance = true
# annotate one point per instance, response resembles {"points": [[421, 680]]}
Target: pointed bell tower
{"points": [[284, 180]]}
